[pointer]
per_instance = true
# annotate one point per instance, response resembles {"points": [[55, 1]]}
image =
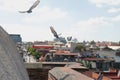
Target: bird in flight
{"points": [[54, 32], [32, 7]]}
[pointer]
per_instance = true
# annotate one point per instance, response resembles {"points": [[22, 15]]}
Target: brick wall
{"points": [[38, 74]]}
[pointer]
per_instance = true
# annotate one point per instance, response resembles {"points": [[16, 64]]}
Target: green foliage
{"points": [[80, 62], [92, 42], [89, 65], [34, 53], [79, 48], [30, 49]]}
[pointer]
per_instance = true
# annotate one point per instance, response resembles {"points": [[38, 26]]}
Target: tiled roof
{"points": [[65, 73]]}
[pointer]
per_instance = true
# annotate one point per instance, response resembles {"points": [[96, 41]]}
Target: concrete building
{"points": [[71, 46], [16, 38]]}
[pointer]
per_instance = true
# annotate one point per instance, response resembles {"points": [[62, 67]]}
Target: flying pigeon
{"points": [[32, 7], [54, 32]]}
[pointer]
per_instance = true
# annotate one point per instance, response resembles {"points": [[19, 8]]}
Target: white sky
{"points": [[83, 19]]}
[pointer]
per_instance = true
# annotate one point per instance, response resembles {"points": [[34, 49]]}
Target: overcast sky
{"points": [[87, 20]]}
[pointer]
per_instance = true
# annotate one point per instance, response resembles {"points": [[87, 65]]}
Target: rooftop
{"points": [[65, 73]]}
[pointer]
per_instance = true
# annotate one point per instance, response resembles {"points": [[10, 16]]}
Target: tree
{"points": [[34, 52], [119, 42], [79, 48], [92, 42]]}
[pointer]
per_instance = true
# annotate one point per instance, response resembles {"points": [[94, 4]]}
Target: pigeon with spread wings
{"points": [[54, 32], [32, 7]]}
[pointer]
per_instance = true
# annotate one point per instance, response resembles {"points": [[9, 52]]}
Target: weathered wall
{"points": [[11, 64], [38, 74]]}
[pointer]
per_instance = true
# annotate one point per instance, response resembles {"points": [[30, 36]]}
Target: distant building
{"points": [[40, 43], [16, 38], [61, 39], [107, 43], [42, 47], [71, 46]]}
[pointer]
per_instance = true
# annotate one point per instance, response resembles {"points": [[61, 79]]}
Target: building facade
{"points": [[16, 38]]}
